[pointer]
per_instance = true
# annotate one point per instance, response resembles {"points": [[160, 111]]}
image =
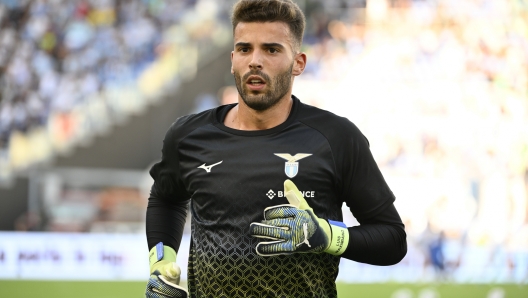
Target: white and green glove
{"points": [[294, 228], [164, 274]]}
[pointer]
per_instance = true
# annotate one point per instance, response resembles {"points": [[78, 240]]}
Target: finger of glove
{"points": [[275, 231], [281, 211], [294, 196], [172, 271], [157, 287], [294, 222], [273, 248], [298, 229], [169, 269]]}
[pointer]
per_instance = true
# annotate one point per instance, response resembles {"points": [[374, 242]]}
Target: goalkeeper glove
{"points": [[294, 228], [164, 274]]}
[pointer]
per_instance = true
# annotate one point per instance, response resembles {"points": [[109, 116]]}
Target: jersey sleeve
{"points": [[380, 239], [168, 201], [165, 222], [362, 185], [168, 184], [358, 180]]}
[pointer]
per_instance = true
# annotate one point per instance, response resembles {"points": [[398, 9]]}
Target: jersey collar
{"points": [[220, 113]]}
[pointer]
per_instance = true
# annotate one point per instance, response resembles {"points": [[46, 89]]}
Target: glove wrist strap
{"points": [[339, 239], [161, 252]]}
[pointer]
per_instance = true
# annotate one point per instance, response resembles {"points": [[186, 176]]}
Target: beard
{"points": [[277, 88]]}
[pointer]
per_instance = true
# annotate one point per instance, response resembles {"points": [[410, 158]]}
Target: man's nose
{"points": [[256, 61]]}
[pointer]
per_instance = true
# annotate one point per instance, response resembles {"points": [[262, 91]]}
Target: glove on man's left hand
{"points": [[295, 228]]}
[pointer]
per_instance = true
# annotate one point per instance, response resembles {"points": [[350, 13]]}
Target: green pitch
{"points": [[56, 289], [390, 290]]}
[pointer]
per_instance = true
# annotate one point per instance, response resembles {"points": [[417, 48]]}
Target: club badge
{"points": [[292, 166]]}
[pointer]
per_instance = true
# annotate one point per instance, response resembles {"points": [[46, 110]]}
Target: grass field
{"points": [[56, 289]]}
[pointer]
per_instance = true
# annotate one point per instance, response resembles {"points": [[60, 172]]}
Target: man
{"points": [[266, 179]]}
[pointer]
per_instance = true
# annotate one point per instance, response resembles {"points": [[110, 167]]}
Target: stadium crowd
{"points": [[440, 89], [70, 69]]}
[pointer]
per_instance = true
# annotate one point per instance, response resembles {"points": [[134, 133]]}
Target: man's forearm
{"points": [[376, 245], [165, 222], [378, 241]]}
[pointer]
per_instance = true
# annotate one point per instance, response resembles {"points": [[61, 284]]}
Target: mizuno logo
{"points": [[291, 168], [208, 168]]}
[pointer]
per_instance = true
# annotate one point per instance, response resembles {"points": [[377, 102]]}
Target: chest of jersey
{"points": [[227, 174]]}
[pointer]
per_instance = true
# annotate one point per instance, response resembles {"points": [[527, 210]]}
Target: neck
{"points": [[242, 117]]}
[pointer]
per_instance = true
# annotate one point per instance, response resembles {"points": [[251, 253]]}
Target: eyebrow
{"points": [[267, 45], [273, 45], [242, 44]]}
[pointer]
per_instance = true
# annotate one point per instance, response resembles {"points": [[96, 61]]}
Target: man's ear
{"points": [[232, 53], [299, 63]]}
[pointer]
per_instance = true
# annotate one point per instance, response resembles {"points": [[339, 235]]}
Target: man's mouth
{"points": [[255, 83], [255, 80]]}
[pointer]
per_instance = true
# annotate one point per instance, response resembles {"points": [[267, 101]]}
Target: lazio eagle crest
{"points": [[292, 166]]}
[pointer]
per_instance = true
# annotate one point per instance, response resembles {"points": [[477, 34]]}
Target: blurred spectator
{"points": [[204, 101], [436, 253], [228, 95]]}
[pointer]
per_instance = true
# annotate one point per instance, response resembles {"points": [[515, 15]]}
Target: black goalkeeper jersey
{"points": [[230, 176]]}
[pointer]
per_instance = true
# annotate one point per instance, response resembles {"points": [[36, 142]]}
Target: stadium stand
{"points": [[73, 69]]}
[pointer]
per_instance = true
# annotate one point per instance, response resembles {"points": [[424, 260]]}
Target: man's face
{"points": [[264, 63]]}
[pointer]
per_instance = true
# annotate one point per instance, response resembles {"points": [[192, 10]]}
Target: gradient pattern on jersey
{"points": [[224, 264]]}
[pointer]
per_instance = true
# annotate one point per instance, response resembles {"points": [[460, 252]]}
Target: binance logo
{"points": [[307, 194], [270, 194]]}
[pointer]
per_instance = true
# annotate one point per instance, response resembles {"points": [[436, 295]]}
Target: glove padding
{"points": [[164, 280], [294, 228]]}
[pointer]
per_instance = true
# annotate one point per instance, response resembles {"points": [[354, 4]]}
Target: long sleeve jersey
{"points": [[230, 176]]}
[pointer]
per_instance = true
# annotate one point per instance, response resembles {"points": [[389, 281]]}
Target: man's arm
{"points": [[166, 215], [165, 222], [380, 240], [164, 226], [168, 200]]}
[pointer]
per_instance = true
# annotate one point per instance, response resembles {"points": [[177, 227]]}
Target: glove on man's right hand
{"points": [[165, 274]]}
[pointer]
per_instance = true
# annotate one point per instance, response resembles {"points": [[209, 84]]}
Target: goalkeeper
{"points": [[265, 181]]}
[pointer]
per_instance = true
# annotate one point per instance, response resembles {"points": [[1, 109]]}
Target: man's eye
{"points": [[244, 50], [272, 50]]}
